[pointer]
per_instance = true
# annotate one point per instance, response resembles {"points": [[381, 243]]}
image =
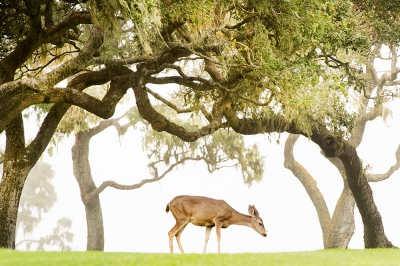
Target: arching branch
{"points": [[392, 169], [156, 177]]}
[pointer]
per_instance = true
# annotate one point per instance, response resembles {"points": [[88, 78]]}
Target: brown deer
{"points": [[203, 211]]}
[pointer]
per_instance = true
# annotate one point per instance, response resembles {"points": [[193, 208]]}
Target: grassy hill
{"points": [[337, 257]]}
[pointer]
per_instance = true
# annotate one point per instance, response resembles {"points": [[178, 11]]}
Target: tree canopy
{"points": [[263, 58]]}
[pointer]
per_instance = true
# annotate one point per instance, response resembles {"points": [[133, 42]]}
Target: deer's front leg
{"points": [[218, 229], [208, 231]]}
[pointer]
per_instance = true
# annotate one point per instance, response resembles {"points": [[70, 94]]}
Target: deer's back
{"points": [[199, 210]]}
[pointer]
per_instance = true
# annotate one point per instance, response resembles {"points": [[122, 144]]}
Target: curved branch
{"points": [[392, 169], [156, 177], [268, 124], [157, 120], [15, 104], [58, 110], [362, 120], [75, 18], [161, 123], [76, 64], [178, 80]]}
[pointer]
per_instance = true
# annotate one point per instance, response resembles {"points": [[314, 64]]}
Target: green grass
{"points": [[337, 257]]}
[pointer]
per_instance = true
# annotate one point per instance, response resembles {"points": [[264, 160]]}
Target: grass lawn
{"points": [[337, 257]]}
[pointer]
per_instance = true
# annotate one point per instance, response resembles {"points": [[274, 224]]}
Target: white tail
{"points": [[203, 211]]}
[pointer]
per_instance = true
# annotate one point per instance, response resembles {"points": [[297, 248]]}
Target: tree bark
{"points": [[15, 172], [342, 225], [10, 190], [94, 216], [374, 233]]}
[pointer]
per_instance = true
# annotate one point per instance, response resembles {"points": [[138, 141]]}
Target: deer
{"points": [[208, 212]]}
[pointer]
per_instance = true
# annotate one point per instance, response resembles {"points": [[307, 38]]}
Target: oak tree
{"points": [[255, 67]]}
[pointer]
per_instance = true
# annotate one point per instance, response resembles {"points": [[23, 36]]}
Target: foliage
{"points": [[383, 18], [272, 57]]}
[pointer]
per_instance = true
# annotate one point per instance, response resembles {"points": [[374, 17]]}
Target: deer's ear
{"points": [[253, 211]]}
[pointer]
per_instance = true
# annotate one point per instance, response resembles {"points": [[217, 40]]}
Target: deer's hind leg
{"points": [[218, 230], [176, 231], [178, 237]]}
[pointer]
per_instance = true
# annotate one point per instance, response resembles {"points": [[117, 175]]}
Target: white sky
{"points": [[135, 221]]}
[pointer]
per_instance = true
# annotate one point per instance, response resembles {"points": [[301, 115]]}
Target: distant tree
{"points": [[58, 238], [38, 197]]}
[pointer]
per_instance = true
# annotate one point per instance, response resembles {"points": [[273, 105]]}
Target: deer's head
{"points": [[257, 222]]}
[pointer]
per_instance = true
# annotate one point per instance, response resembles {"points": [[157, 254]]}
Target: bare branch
{"points": [[156, 177], [392, 169]]}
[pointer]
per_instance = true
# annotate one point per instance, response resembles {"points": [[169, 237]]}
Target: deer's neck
{"points": [[241, 219]]}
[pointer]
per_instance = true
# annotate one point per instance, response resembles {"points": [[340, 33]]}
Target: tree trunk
{"points": [[342, 225], [95, 228], [332, 147], [374, 233], [94, 217], [18, 162], [338, 230], [10, 190], [15, 172]]}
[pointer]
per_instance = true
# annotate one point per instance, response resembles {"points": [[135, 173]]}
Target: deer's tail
{"points": [[167, 209]]}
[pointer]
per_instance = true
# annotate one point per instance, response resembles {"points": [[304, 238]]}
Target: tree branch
{"points": [[156, 177], [54, 33], [392, 169]]}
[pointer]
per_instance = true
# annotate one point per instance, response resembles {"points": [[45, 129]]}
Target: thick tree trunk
{"points": [[374, 233], [15, 172], [10, 192], [95, 228], [94, 217]]}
